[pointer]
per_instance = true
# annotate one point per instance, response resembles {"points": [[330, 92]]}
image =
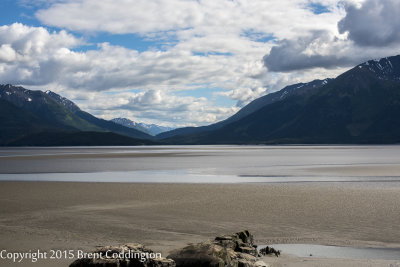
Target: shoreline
{"points": [[164, 217]]}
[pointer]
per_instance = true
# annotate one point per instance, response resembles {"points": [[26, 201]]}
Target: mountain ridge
{"points": [[361, 105], [253, 106], [50, 112]]}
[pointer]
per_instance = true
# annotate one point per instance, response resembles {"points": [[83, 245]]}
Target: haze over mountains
{"points": [[360, 106], [152, 129]]}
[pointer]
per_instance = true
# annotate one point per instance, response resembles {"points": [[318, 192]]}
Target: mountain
{"points": [[44, 107], [155, 129], [26, 112], [151, 129], [295, 89], [360, 106], [15, 121], [63, 101], [103, 124]]}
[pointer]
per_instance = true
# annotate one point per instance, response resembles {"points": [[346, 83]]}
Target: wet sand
{"points": [[62, 215]]}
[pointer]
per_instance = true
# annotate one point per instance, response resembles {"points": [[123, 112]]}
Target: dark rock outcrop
{"points": [[237, 250], [269, 250]]}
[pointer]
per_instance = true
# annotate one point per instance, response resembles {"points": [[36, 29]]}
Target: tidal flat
{"points": [[166, 197]]}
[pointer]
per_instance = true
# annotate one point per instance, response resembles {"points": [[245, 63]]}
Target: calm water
{"points": [[204, 164], [320, 251]]}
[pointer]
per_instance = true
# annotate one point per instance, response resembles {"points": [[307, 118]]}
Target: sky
{"points": [[186, 62]]}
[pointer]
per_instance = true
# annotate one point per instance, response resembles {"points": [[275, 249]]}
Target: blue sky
{"points": [[184, 62], [14, 11]]}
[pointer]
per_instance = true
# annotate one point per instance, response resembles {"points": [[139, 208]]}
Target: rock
{"points": [[269, 250], [261, 264], [224, 237], [129, 255], [237, 250], [247, 250], [246, 237]]}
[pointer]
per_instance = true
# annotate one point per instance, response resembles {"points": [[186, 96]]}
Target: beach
{"points": [[70, 199], [58, 215]]}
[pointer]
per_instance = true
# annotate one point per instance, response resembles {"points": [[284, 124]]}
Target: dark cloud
{"points": [[290, 55], [375, 23]]}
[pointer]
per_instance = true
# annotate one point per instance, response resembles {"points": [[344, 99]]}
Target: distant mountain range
{"points": [[360, 106], [152, 129], [295, 89], [25, 113]]}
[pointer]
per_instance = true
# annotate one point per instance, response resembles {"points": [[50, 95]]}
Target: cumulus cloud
{"points": [[27, 54], [205, 44], [156, 106], [33, 56], [367, 27], [7, 53], [217, 43], [36, 58], [121, 16], [319, 49], [284, 18], [243, 96], [374, 23], [29, 41], [188, 110]]}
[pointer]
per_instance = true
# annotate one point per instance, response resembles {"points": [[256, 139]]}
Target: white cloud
{"points": [[282, 18], [229, 35], [121, 16], [317, 49], [7, 53], [213, 44], [368, 30], [154, 106], [33, 57], [28, 54], [32, 41], [244, 95]]}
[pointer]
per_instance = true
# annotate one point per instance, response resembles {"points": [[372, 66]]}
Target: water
{"points": [[320, 251], [357, 165], [204, 164], [184, 177]]}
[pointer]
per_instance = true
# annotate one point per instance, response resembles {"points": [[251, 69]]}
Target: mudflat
{"points": [[72, 216], [167, 197]]}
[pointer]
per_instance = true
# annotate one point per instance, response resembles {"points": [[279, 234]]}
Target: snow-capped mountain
{"points": [[155, 129], [288, 91], [152, 129], [361, 105], [387, 68], [63, 101], [25, 112], [30, 99]]}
